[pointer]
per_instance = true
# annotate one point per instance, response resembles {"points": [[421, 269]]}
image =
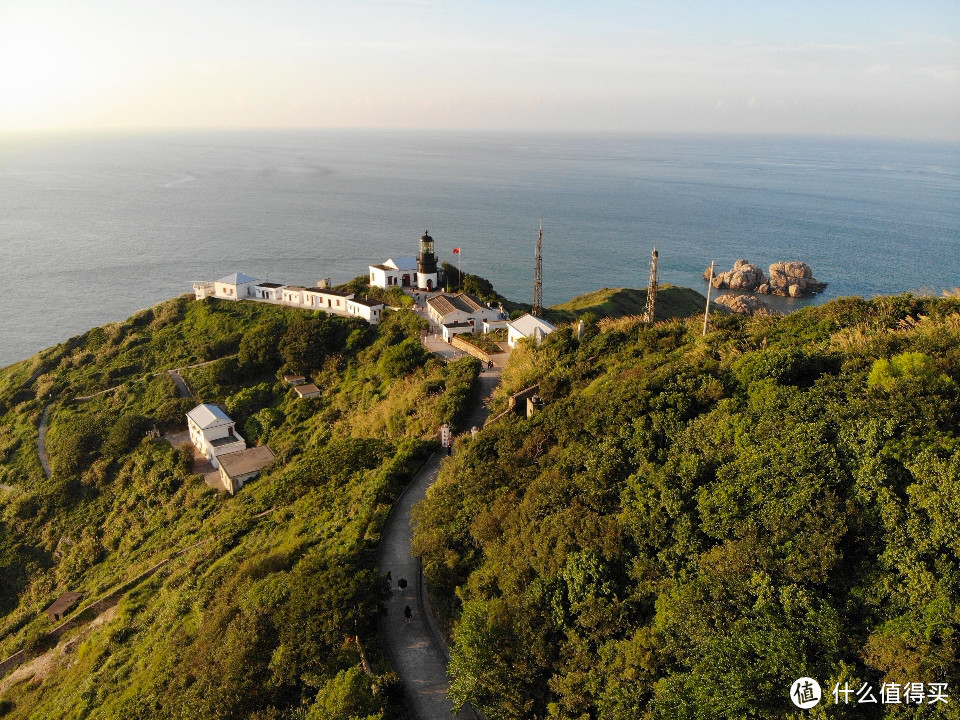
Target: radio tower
{"points": [[537, 310], [650, 312]]}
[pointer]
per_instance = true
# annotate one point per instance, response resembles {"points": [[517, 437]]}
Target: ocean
{"points": [[93, 228]]}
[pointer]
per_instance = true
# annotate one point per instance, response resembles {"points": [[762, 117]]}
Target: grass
{"points": [[672, 302]]}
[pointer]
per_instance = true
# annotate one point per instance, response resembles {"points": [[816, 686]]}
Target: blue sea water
{"points": [[92, 228]]}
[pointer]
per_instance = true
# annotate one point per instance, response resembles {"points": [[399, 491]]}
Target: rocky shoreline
{"points": [[787, 279]]}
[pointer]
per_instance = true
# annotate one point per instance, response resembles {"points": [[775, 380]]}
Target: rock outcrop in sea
{"points": [[744, 276], [793, 279], [745, 305], [789, 279]]}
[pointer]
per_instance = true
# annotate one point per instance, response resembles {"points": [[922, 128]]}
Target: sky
{"points": [[874, 68]]}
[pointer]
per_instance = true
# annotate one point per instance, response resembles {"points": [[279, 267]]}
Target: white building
{"points": [[234, 287], [445, 309], [213, 432], [324, 299], [369, 310], [401, 271], [203, 290], [491, 325], [528, 326], [268, 291], [455, 328], [293, 295]]}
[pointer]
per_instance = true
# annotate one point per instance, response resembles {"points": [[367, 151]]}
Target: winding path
{"points": [[42, 443], [416, 648]]}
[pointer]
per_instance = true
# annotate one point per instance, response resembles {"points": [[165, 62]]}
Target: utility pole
{"points": [[650, 313], [706, 314], [537, 310]]}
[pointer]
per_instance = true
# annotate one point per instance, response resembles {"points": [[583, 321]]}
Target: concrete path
{"points": [[183, 390], [42, 442], [416, 648]]}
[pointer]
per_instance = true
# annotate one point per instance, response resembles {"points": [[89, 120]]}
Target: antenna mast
{"points": [[650, 313], [537, 310]]}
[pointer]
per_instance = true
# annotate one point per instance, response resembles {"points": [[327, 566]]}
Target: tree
{"points": [[260, 347]]}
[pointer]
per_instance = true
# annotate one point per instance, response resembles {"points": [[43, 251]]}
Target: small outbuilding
{"points": [[528, 326], [307, 390], [268, 291], [240, 467], [455, 328], [294, 379], [63, 605]]}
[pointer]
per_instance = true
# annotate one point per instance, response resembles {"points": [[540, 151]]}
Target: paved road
{"points": [[416, 648]]}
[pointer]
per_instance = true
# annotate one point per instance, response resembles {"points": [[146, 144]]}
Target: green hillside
{"points": [[265, 614], [692, 523], [672, 302]]}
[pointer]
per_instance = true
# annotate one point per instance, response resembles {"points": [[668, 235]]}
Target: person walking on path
{"points": [[407, 613]]}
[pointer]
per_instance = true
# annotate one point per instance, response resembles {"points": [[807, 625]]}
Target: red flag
{"points": [[456, 251]]}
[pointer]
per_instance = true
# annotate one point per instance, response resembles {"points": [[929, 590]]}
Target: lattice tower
{"points": [[537, 310], [650, 313]]}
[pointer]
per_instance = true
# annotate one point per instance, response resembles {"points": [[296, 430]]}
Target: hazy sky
{"points": [[811, 66]]}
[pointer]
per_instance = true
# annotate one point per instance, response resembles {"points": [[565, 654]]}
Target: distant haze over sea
{"points": [[94, 228]]}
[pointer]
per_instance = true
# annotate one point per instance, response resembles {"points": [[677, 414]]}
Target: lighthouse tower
{"points": [[426, 264]]}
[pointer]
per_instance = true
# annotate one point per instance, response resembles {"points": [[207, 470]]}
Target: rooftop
{"points": [[270, 285], [64, 603], [527, 325], [246, 461], [367, 301], [402, 263], [446, 304], [229, 440], [237, 279], [333, 293], [208, 415], [307, 390]]}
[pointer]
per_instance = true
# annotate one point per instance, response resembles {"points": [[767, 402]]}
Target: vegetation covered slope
{"points": [[691, 524], [264, 618], [672, 302]]}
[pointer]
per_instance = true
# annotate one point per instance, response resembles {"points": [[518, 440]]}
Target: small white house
{"points": [[324, 299], [455, 328], [213, 432], [235, 287], [528, 326], [400, 271], [268, 291], [369, 310], [491, 325], [445, 308]]}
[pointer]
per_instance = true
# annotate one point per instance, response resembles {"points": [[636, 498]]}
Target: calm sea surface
{"points": [[94, 228]]}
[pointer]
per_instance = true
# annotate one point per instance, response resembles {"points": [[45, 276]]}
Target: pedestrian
{"points": [[407, 613]]}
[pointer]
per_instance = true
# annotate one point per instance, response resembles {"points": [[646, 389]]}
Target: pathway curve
{"points": [[183, 390], [416, 649], [42, 442]]}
